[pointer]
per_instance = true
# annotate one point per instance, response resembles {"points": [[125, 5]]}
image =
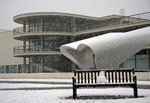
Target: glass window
{"points": [[34, 25], [141, 62], [52, 63], [57, 63], [12, 69], [34, 44], [130, 63], [35, 64], [2, 70], [56, 24], [52, 43]]}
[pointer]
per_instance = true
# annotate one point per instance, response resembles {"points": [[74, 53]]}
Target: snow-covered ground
{"points": [[27, 85], [41, 80], [60, 80], [109, 95], [114, 95]]}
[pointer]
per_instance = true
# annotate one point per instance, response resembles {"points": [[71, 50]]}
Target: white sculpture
{"points": [[101, 78], [106, 51]]}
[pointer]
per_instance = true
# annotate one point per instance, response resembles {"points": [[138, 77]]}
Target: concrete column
{"points": [[148, 59], [41, 26], [18, 68], [6, 69], [42, 44], [24, 46], [42, 64], [73, 67], [24, 65], [73, 25], [135, 62], [24, 27]]}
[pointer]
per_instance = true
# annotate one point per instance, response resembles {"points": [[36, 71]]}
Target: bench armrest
{"points": [[134, 78], [74, 79]]}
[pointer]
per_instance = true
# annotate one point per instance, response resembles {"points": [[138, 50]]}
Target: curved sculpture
{"points": [[106, 51]]}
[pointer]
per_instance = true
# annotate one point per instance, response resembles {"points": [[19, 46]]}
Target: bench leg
{"points": [[135, 87], [135, 91], [74, 92]]}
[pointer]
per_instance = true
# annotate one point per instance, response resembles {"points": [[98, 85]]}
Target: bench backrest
{"points": [[112, 76]]}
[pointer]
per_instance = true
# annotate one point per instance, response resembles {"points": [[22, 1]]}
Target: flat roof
{"points": [[19, 18]]}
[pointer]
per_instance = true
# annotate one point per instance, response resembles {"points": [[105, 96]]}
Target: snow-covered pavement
{"points": [[114, 95], [111, 95]]}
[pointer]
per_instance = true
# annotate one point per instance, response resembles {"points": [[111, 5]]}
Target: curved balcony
{"points": [[19, 33], [113, 23], [21, 51]]}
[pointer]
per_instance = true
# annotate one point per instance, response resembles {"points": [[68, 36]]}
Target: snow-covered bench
{"points": [[114, 78]]}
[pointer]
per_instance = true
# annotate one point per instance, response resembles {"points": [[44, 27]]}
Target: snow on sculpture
{"points": [[106, 51]]}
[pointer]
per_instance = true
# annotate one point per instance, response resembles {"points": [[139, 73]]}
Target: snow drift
{"points": [[106, 51]]}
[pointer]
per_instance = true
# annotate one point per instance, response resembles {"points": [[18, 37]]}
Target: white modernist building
{"points": [[35, 46]]}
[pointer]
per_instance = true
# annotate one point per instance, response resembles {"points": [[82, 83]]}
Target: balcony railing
{"points": [[40, 29], [124, 21], [32, 49], [121, 21]]}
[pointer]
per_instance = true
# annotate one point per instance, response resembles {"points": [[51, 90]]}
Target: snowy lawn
{"points": [[40, 80], [60, 80], [27, 85], [113, 95]]}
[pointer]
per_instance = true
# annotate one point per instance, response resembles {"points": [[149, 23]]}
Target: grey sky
{"points": [[98, 8]]}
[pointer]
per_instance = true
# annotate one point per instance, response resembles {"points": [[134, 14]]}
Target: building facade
{"points": [[9, 63], [42, 33]]}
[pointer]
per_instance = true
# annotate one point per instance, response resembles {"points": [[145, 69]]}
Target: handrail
{"points": [[31, 48]]}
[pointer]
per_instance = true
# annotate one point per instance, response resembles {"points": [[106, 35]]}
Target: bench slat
{"points": [[109, 77], [119, 77], [122, 76], [116, 77], [81, 77], [95, 77], [88, 77], [78, 77], [85, 77], [92, 77], [112, 76]]}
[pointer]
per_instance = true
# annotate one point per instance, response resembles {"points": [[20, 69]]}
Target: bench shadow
{"points": [[104, 97]]}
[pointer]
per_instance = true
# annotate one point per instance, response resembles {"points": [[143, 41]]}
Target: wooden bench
{"points": [[115, 78]]}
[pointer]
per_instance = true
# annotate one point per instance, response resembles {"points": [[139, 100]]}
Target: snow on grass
{"points": [[61, 80], [109, 95], [143, 82], [113, 95], [40, 80], [26, 85]]}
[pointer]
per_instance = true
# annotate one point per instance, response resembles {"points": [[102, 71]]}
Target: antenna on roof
{"points": [[122, 12]]}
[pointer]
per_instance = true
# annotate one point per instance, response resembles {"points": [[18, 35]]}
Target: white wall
{"points": [[6, 48]]}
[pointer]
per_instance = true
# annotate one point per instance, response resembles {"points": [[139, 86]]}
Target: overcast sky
{"points": [[98, 8]]}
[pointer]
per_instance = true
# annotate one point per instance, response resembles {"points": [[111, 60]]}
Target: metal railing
{"points": [[20, 31], [124, 21], [102, 24], [32, 49]]}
